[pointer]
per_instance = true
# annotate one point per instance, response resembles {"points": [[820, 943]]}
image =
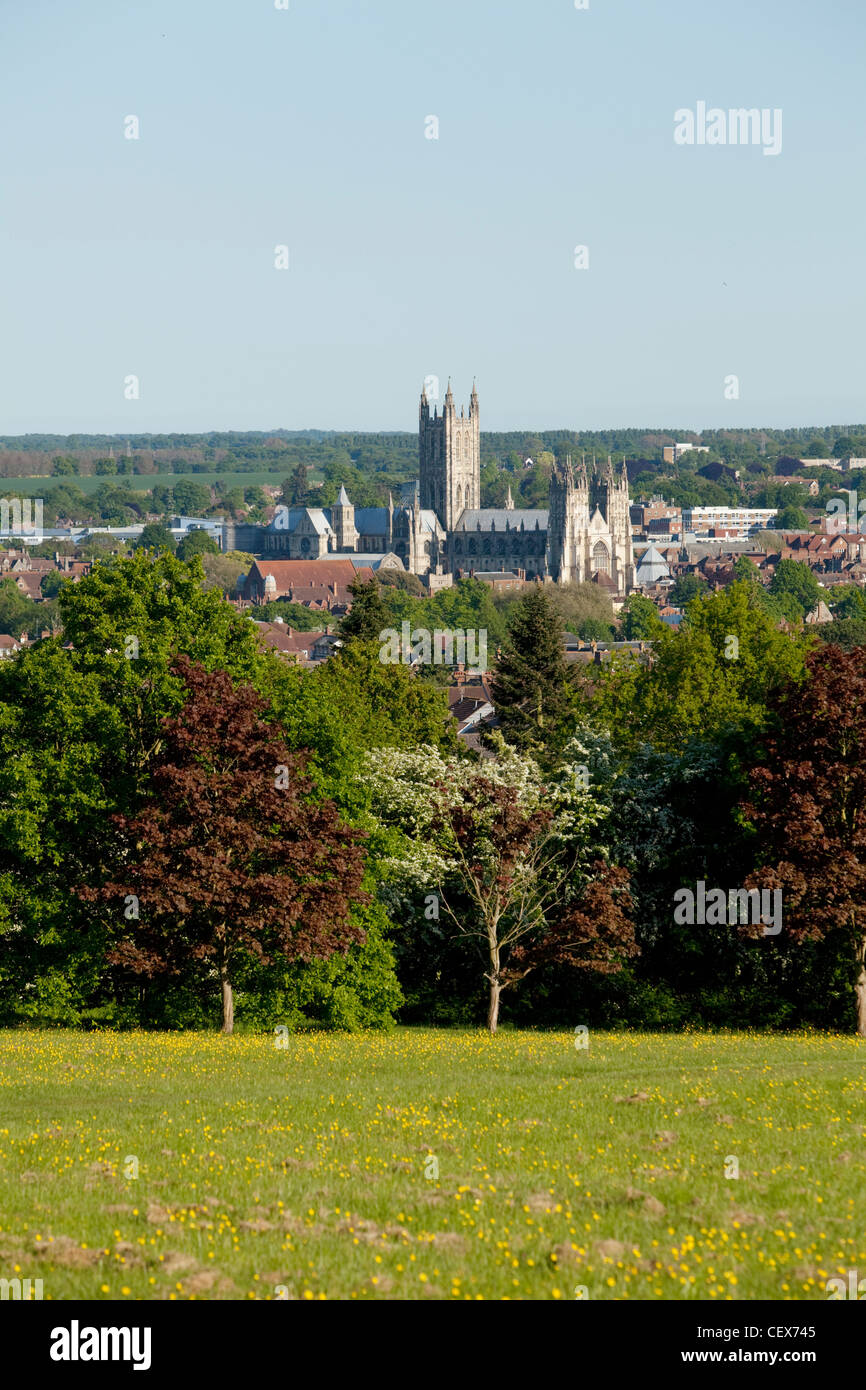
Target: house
{"points": [[31, 585], [295, 646], [10, 645], [315, 583]]}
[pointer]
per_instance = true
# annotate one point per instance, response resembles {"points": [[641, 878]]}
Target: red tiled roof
{"points": [[278, 636], [30, 584], [313, 574]]}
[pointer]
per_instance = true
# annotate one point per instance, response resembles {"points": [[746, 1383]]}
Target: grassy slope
{"points": [[305, 1167]]}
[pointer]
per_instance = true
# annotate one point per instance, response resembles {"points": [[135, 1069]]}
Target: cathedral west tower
{"points": [[449, 454]]}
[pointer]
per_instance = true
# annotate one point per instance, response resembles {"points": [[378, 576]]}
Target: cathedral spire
{"points": [[509, 500]]}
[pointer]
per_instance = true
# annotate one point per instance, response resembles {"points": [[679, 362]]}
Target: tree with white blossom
{"points": [[516, 861]]}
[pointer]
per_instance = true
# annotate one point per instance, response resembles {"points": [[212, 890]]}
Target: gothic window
{"points": [[472, 545], [600, 558], [305, 543], [459, 498]]}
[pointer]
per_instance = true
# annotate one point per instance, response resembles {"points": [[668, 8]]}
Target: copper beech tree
{"points": [[231, 855], [809, 808], [505, 863]]}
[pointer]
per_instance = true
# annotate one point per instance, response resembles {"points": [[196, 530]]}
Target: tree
{"points": [[368, 616], [792, 518], [594, 630], [795, 580], [847, 447], [504, 865], [295, 615], [295, 487], [846, 633], [746, 569], [816, 449], [576, 602], [65, 467], [640, 619], [710, 680], [354, 703], [16, 609], [50, 586], [847, 601], [191, 498], [126, 621], [686, 588], [530, 682], [809, 808], [196, 543], [515, 864], [230, 857], [155, 536]]}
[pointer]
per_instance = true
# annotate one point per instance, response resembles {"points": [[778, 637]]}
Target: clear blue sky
{"points": [[411, 256]]}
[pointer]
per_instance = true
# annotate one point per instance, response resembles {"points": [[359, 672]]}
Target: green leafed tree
{"points": [[686, 588], [531, 685], [794, 580], [155, 536], [710, 680], [196, 543], [368, 616], [640, 619], [792, 518]]}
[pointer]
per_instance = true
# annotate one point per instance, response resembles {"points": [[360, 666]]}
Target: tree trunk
{"points": [[228, 1000], [493, 1009], [494, 978], [861, 994]]}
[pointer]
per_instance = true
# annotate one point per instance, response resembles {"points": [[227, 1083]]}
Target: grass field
{"points": [[310, 1171]]}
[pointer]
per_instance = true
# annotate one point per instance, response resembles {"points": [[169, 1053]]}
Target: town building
{"points": [[730, 522]]}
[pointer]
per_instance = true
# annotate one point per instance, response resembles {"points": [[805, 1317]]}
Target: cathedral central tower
{"points": [[449, 456]]}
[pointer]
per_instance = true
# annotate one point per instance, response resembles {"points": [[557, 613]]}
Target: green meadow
{"points": [[431, 1164]]}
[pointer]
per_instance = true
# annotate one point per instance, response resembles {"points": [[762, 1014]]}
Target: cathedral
{"points": [[439, 530]]}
